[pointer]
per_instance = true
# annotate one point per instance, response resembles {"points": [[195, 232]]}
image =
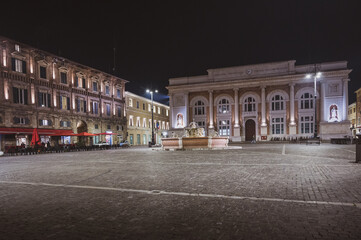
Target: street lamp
{"points": [[315, 75], [151, 97]]}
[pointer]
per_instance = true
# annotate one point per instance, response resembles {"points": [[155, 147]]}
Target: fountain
{"points": [[194, 139]]}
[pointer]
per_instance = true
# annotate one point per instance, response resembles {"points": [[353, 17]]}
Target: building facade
{"points": [[44, 91], [264, 101], [352, 118], [139, 116], [358, 111]]}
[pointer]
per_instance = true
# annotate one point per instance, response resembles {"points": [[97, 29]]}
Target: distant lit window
{"points": [[17, 47], [130, 102], [63, 77], [223, 106], [107, 90], [118, 93]]}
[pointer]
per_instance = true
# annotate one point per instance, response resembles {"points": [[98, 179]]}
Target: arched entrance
{"points": [[82, 127], [250, 129]]}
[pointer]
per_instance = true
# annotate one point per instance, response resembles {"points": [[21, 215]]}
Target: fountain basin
{"points": [[193, 143]]}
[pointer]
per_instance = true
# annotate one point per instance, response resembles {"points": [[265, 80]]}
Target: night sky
{"points": [[158, 40]]}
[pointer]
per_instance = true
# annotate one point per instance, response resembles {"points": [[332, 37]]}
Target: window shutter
{"points": [[60, 103], [61, 124], [40, 99], [50, 122], [27, 121], [40, 122], [24, 66], [85, 106], [13, 64], [68, 103], [84, 83], [26, 96], [49, 100], [16, 120], [15, 95]]}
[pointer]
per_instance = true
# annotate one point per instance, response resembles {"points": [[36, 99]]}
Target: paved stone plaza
{"points": [[263, 191]]}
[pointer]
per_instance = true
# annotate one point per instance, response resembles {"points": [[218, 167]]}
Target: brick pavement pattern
{"points": [[263, 191]]}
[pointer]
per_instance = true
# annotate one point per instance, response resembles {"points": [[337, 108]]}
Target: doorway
{"points": [[250, 129]]}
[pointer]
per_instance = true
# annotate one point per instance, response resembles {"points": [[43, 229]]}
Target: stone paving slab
{"points": [[270, 191]]}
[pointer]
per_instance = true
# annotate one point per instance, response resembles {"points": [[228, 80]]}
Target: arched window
{"points": [[249, 104], [307, 101], [199, 108], [223, 106], [277, 103]]}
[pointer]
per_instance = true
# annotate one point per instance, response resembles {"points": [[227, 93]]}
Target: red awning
{"points": [[41, 131], [83, 134]]}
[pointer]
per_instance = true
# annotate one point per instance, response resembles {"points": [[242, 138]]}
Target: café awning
{"points": [[41, 131]]}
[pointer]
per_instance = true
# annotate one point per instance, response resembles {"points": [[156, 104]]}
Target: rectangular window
{"points": [[137, 104], [158, 110], [107, 90], [119, 109], [95, 86], [17, 47], [95, 107], [131, 124], [144, 122], [138, 122], [64, 102], [166, 111], [18, 65], [108, 109], [96, 126], [131, 139], [44, 99], [130, 102], [277, 126], [108, 127], [118, 93], [21, 120], [20, 96], [65, 124], [306, 123], [43, 72], [143, 106], [149, 108], [224, 127], [45, 122], [80, 105], [63, 77]]}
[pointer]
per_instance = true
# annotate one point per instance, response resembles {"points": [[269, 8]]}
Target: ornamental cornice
{"points": [[256, 82]]}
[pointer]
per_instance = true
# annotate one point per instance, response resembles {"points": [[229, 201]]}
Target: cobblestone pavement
{"points": [[262, 191]]}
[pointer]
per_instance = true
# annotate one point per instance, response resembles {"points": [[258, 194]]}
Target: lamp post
{"points": [[151, 97], [315, 76]]}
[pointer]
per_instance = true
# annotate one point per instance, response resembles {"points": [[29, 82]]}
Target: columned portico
{"points": [[292, 126], [236, 127], [263, 108], [211, 109]]}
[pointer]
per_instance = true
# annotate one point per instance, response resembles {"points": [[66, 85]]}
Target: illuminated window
{"points": [[149, 107], [44, 99], [277, 125], [64, 102], [18, 65], [224, 127], [158, 110], [130, 102], [223, 106], [131, 123], [17, 47]]}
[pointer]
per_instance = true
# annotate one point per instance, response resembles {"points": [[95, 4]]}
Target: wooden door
{"points": [[250, 130]]}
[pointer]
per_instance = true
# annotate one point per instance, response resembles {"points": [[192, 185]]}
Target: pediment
{"points": [[18, 55], [43, 62], [63, 69]]}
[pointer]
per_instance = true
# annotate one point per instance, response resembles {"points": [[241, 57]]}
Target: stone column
{"points": [[263, 108], [292, 126], [170, 111], [186, 100], [211, 109], [322, 101], [345, 99], [236, 127]]}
